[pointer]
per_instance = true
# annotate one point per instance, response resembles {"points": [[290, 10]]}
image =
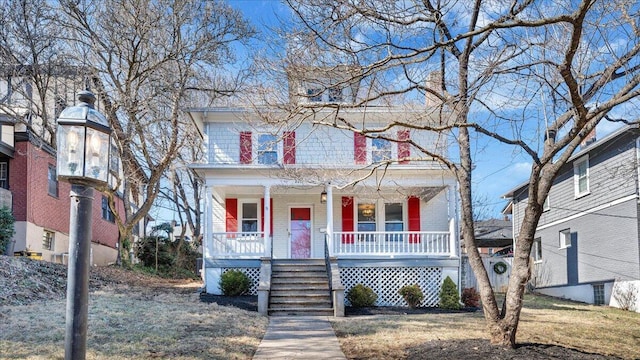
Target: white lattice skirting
{"points": [[252, 273], [386, 282]]}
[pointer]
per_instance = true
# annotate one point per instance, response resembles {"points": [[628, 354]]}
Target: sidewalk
{"points": [[299, 337]]}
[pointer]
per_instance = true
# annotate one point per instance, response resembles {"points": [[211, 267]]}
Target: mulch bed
{"points": [[482, 349], [401, 310], [249, 303]]}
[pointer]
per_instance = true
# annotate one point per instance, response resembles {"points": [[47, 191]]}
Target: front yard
{"points": [[544, 322]]}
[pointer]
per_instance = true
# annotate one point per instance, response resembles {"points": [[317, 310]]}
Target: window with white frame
{"points": [[598, 294], [545, 205], [335, 95], [48, 240], [380, 150], [314, 94], [536, 252], [249, 216], [393, 221], [267, 149], [366, 220], [581, 176], [565, 238]]}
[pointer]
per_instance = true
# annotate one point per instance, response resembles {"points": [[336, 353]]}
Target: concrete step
{"points": [[301, 312], [297, 288], [298, 262]]}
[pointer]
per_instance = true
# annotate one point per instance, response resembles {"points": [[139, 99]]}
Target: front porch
{"points": [[341, 244]]}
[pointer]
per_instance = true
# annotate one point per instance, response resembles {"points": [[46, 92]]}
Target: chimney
{"points": [[589, 139], [434, 82]]}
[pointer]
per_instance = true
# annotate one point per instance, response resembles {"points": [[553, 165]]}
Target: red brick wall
{"points": [[32, 202]]}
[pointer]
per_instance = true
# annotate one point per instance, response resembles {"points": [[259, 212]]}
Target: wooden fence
{"points": [[499, 282]]}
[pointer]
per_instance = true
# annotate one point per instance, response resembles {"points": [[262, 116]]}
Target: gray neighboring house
{"points": [[587, 244]]}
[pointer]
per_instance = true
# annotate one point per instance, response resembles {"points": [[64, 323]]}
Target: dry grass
{"points": [[592, 329], [134, 323]]}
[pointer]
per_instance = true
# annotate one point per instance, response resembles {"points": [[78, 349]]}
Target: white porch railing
{"points": [[432, 243], [239, 245]]}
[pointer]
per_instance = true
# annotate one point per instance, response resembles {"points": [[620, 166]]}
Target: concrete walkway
{"points": [[299, 337]]}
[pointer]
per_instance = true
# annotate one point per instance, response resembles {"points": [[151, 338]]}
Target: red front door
{"points": [[300, 227]]}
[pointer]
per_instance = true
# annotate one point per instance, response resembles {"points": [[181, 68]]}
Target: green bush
{"points": [[470, 297], [412, 294], [6, 228], [361, 296], [234, 283], [449, 298], [174, 259]]}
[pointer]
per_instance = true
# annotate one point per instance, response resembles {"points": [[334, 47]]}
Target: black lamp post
{"points": [[83, 140]]}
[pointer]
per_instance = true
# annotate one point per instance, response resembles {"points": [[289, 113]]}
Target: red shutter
{"points": [[413, 204], [289, 147], [403, 147], [359, 148], [245, 147], [231, 205], [262, 215], [347, 219]]}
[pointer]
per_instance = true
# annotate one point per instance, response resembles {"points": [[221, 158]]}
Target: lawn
{"points": [[589, 329], [134, 323]]}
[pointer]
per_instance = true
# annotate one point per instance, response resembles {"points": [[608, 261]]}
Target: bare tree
{"points": [[150, 57], [525, 74], [36, 82]]}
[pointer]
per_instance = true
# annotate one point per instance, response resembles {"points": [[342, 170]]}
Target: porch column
{"points": [[207, 236], [453, 222], [267, 221], [329, 234]]}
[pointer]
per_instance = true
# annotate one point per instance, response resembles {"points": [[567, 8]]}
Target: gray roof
{"points": [[494, 233]]}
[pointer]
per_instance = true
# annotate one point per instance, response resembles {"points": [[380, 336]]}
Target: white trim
{"points": [[586, 212], [563, 236], [576, 177]]}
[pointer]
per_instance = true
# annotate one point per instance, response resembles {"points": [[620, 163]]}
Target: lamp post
{"points": [[83, 139]]}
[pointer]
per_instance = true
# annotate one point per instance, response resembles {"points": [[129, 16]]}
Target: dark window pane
{"points": [[249, 211]]}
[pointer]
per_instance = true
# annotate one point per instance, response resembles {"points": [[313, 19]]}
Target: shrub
{"points": [[412, 295], [470, 297], [234, 283], [361, 296], [6, 228], [174, 260], [449, 298]]}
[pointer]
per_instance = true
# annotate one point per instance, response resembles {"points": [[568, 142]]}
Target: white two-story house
{"points": [[309, 194]]}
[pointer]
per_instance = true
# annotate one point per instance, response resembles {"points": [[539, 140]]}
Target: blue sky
{"points": [[498, 167]]}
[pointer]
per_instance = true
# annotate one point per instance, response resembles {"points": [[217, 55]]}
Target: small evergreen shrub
{"points": [[361, 296], [6, 228], [470, 297], [449, 298], [234, 283], [412, 294]]}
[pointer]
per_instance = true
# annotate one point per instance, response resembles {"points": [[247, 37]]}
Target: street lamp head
{"points": [[83, 141]]}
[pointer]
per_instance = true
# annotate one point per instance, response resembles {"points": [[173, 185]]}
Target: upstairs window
{"points": [[581, 177], [267, 149], [52, 181], [314, 95], [336, 95], [380, 150]]}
